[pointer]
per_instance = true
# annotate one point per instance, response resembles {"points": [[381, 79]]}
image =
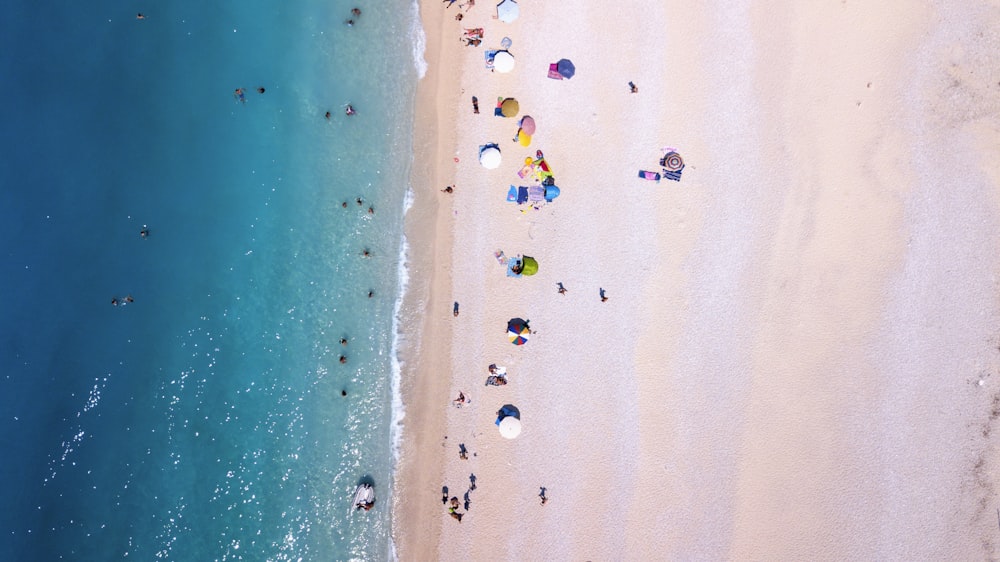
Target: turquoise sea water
{"points": [[205, 420]]}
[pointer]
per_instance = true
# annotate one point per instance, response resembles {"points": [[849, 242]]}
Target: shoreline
{"points": [[428, 228]]}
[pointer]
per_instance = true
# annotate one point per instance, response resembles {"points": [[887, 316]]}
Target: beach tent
{"points": [[489, 156], [503, 61], [508, 10], [566, 68]]}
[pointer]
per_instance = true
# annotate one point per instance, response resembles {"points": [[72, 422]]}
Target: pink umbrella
{"points": [[528, 124]]}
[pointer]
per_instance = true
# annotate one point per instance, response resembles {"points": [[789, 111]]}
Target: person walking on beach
{"points": [[632, 88], [543, 496], [449, 189], [562, 290], [450, 2], [460, 400], [604, 298], [455, 309]]}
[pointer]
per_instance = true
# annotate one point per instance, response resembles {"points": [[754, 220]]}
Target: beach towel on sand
{"points": [[652, 176]]}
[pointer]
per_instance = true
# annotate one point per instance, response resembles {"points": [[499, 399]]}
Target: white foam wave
{"points": [[419, 40], [398, 410]]}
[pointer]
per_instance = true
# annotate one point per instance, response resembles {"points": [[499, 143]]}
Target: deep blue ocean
{"points": [[204, 420]]}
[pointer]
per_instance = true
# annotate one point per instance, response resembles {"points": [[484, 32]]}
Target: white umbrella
{"points": [[503, 61], [510, 427], [508, 10], [489, 157]]}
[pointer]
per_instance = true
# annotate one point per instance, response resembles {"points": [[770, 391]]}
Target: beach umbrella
{"points": [[523, 138], [503, 61], [518, 331], [565, 68], [509, 107], [530, 266], [510, 427], [528, 124], [508, 10], [551, 192], [673, 161], [489, 157]]}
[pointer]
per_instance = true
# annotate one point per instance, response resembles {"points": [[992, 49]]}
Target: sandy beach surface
{"points": [[798, 358]]}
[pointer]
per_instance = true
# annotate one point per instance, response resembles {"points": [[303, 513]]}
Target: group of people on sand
{"points": [[453, 503], [498, 376]]}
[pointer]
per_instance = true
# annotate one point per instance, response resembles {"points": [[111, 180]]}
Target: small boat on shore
{"points": [[364, 496]]}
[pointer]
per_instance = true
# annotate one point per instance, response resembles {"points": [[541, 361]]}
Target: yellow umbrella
{"points": [[523, 138]]}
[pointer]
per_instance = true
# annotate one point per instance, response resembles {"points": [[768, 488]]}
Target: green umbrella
{"points": [[530, 266]]}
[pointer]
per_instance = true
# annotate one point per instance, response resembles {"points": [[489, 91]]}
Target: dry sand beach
{"points": [[799, 357]]}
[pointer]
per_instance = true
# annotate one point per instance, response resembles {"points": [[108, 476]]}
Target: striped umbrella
{"points": [[518, 331], [673, 162]]}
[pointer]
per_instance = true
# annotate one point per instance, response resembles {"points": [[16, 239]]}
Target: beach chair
{"points": [[672, 175]]}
